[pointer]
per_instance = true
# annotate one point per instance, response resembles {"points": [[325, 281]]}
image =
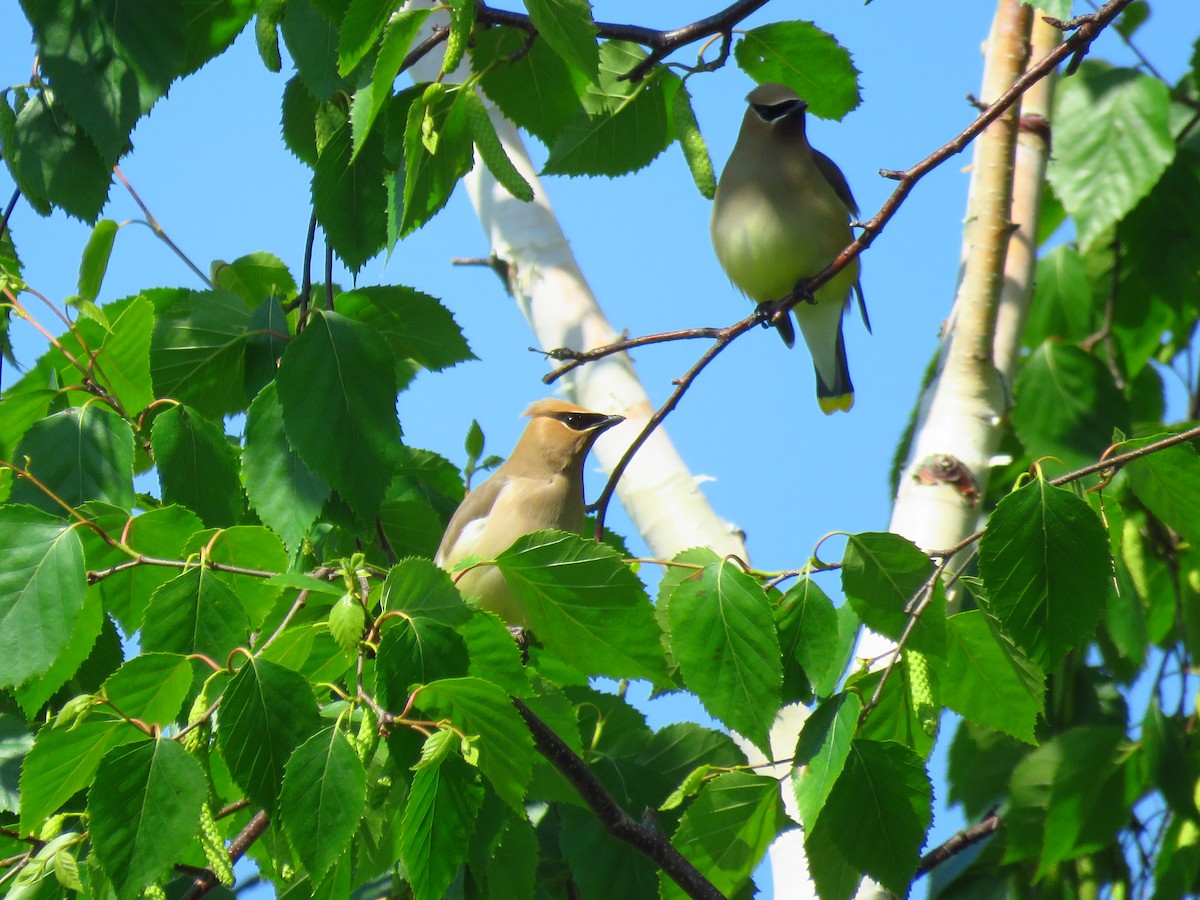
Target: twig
{"points": [[97, 575], [8, 210], [576, 358], [207, 880], [1110, 465], [957, 843], [153, 225], [661, 42], [727, 335], [306, 281], [644, 836], [1088, 28]]}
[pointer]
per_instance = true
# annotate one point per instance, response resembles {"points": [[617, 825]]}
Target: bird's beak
{"points": [[609, 423]]}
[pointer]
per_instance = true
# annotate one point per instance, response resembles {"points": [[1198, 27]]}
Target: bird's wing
{"points": [[468, 522], [828, 168]]}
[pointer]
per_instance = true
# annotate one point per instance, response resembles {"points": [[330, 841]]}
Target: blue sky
{"points": [[209, 163]]}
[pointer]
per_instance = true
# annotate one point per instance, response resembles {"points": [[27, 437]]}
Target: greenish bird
{"points": [[781, 214]]}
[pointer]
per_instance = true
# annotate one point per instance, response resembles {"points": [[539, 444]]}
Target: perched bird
{"points": [[539, 486], [781, 214]]}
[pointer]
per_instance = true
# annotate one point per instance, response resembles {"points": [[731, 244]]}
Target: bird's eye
{"points": [[580, 421], [770, 112]]}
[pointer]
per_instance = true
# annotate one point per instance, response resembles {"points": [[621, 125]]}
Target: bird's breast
{"points": [[769, 234]]}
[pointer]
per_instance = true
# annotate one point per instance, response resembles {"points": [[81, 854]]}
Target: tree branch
{"points": [[957, 843], [1089, 28], [645, 836], [661, 42], [207, 880], [1109, 466]]}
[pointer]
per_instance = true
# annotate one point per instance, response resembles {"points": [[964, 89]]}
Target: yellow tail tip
{"points": [[830, 405]]}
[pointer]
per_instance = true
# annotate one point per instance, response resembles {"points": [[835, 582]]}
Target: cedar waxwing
{"points": [[539, 486], [781, 214]]}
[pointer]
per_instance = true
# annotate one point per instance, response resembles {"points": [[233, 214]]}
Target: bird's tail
{"points": [[821, 324], [836, 393]]}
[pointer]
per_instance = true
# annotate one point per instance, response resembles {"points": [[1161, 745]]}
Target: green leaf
{"points": [[567, 26], [430, 178], [1062, 299], [52, 161], [883, 574], [1067, 405], [535, 90], [123, 363], [94, 262], [269, 336], [110, 62], [1166, 481], [324, 795], [512, 868], [160, 533], [596, 859], [150, 687], [299, 122], [210, 26], [992, 683], [195, 613], [833, 877], [623, 125], [267, 711], [160, 782], [416, 326], [312, 40], [495, 656], [723, 636], [285, 492], [727, 829], [1049, 607], [360, 29], [419, 588], [89, 626], [63, 762], [1155, 271], [808, 634], [255, 277], [478, 708], [981, 764], [42, 586], [439, 817], [338, 395], [196, 466], [417, 651], [1165, 741], [1112, 142], [584, 604], [821, 753], [370, 99], [349, 197], [197, 353], [806, 59], [80, 454], [878, 812], [249, 547]]}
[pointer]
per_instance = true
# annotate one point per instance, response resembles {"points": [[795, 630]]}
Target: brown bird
{"points": [[782, 214], [539, 486]]}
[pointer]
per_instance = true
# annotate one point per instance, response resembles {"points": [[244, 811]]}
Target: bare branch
{"points": [[958, 842], [644, 836]]}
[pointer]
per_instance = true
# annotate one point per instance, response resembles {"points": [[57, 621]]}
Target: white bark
{"points": [[657, 490], [961, 409], [959, 413]]}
